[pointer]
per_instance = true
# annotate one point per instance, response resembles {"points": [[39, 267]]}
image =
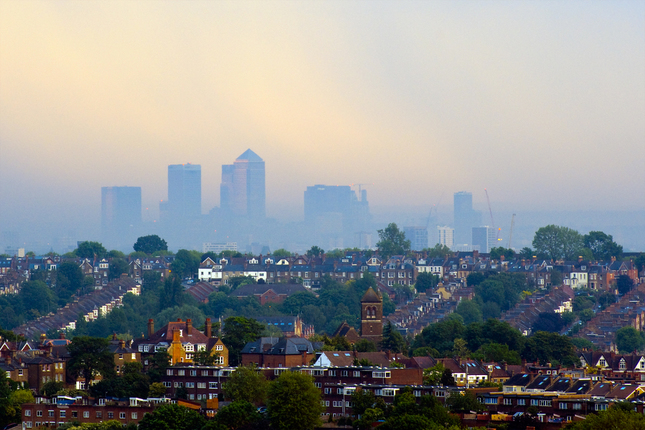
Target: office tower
{"points": [[418, 237], [446, 236], [120, 214], [465, 217], [484, 238], [243, 191], [334, 213], [184, 192]]}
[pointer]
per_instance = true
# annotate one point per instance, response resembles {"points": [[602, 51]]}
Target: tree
{"points": [[238, 331], [392, 339], [555, 242], [281, 253], [150, 244], [526, 253], [191, 260], [158, 364], [157, 389], [464, 403], [69, 279], [624, 284], [438, 251], [89, 357], [548, 321], [51, 387], [365, 345], [392, 241], [613, 418], [294, 402], [172, 417], [497, 253], [246, 384], [315, 251], [432, 375], [90, 250], [238, 415], [602, 245], [37, 295], [426, 281], [118, 266], [628, 340], [470, 311]]}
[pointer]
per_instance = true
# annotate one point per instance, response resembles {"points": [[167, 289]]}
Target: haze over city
{"points": [[540, 103]]}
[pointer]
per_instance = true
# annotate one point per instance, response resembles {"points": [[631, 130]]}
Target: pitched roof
{"points": [[249, 155], [371, 296]]}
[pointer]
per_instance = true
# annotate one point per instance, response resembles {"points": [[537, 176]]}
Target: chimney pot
{"points": [[189, 326]]}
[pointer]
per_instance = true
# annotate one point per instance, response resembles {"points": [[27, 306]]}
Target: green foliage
{"points": [[392, 241], [238, 331], [470, 311], [426, 282], [281, 253], [69, 280], [118, 266], [172, 417], [294, 402], [189, 260], [159, 362], [581, 343], [392, 339], [546, 347], [51, 387], [238, 415], [624, 284], [628, 340], [497, 253], [548, 321], [150, 244], [315, 251], [246, 384], [556, 242], [157, 389], [438, 251], [612, 418], [365, 345], [90, 356], [90, 250], [464, 403], [602, 245]]}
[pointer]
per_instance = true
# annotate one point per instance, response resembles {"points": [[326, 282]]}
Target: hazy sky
{"points": [[542, 103]]}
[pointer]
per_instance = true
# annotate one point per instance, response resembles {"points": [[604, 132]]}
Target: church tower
{"points": [[372, 316]]}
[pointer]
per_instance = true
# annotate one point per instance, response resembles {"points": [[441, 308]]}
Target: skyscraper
{"points": [[465, 217], [120, 214], [243, 191], [184, 191], [335, 215], [484, 238], [418, 237]]}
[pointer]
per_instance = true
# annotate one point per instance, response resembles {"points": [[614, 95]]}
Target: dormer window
{"points": [[622, 365], [602, 362]]}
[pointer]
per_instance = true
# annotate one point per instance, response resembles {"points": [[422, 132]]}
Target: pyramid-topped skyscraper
{"points": [[243, 192]]}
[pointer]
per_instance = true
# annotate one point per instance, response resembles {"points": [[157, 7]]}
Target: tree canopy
{"points": [[172, 417], [294, 402], [392, 241], [90, 356], [90, 250], [150, 244], [602, 245], [556, 242], [246, 384]]}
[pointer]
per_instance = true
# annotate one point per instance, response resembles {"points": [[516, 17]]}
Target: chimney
{"points": [[151, 327], [178, 319], [122, 344], [189, 326], [62, 335], [113, 335], [175, 336], [42, 338], [208, 328]]}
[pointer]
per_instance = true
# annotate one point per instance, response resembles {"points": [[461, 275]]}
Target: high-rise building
{"points": [[335, 215], [465, 218], [184, 191], [120, 214], [418, 237], [446, 236], [243, 190], [484, 238]]}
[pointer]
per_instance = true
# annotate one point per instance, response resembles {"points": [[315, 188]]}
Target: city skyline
{"points": [[539, 103]]}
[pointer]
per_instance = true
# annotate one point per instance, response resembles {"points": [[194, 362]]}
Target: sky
{"points": [[541, 103]]}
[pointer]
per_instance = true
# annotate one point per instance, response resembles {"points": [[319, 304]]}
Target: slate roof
{"points": [[201, 290], [371, 296], [259, 289]]}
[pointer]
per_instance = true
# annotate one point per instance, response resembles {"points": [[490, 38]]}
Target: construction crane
{"points": [[510, 235], [492, 221], [432, 209]]}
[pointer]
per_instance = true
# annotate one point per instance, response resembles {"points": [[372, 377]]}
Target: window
{"points": [[121, 415], [110, 415], [28, 424], [190, 385], [219, 347], [74, 414], [169, 372], [521, 402], [204, 372], [99, 414], [134, 356], [357, 373], [133, 415], [545, 403], [601, 406], [327, 390], [167, 384], [201, 385], [181, 372], [381, 374], [534, 402], [120, 356], [63, 413], [318, 384], [212, 385], [563, 405], [28, 412], [332, 373], [339, 391], [193, 373], [508, 402], [576, 406], [490, 400], [50, 413], [39, 413], [344, 373]]}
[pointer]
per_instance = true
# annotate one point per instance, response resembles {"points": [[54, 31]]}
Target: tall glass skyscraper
{"points": [[184, 191], [243, 190], [120, 214], [465, 217]]}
